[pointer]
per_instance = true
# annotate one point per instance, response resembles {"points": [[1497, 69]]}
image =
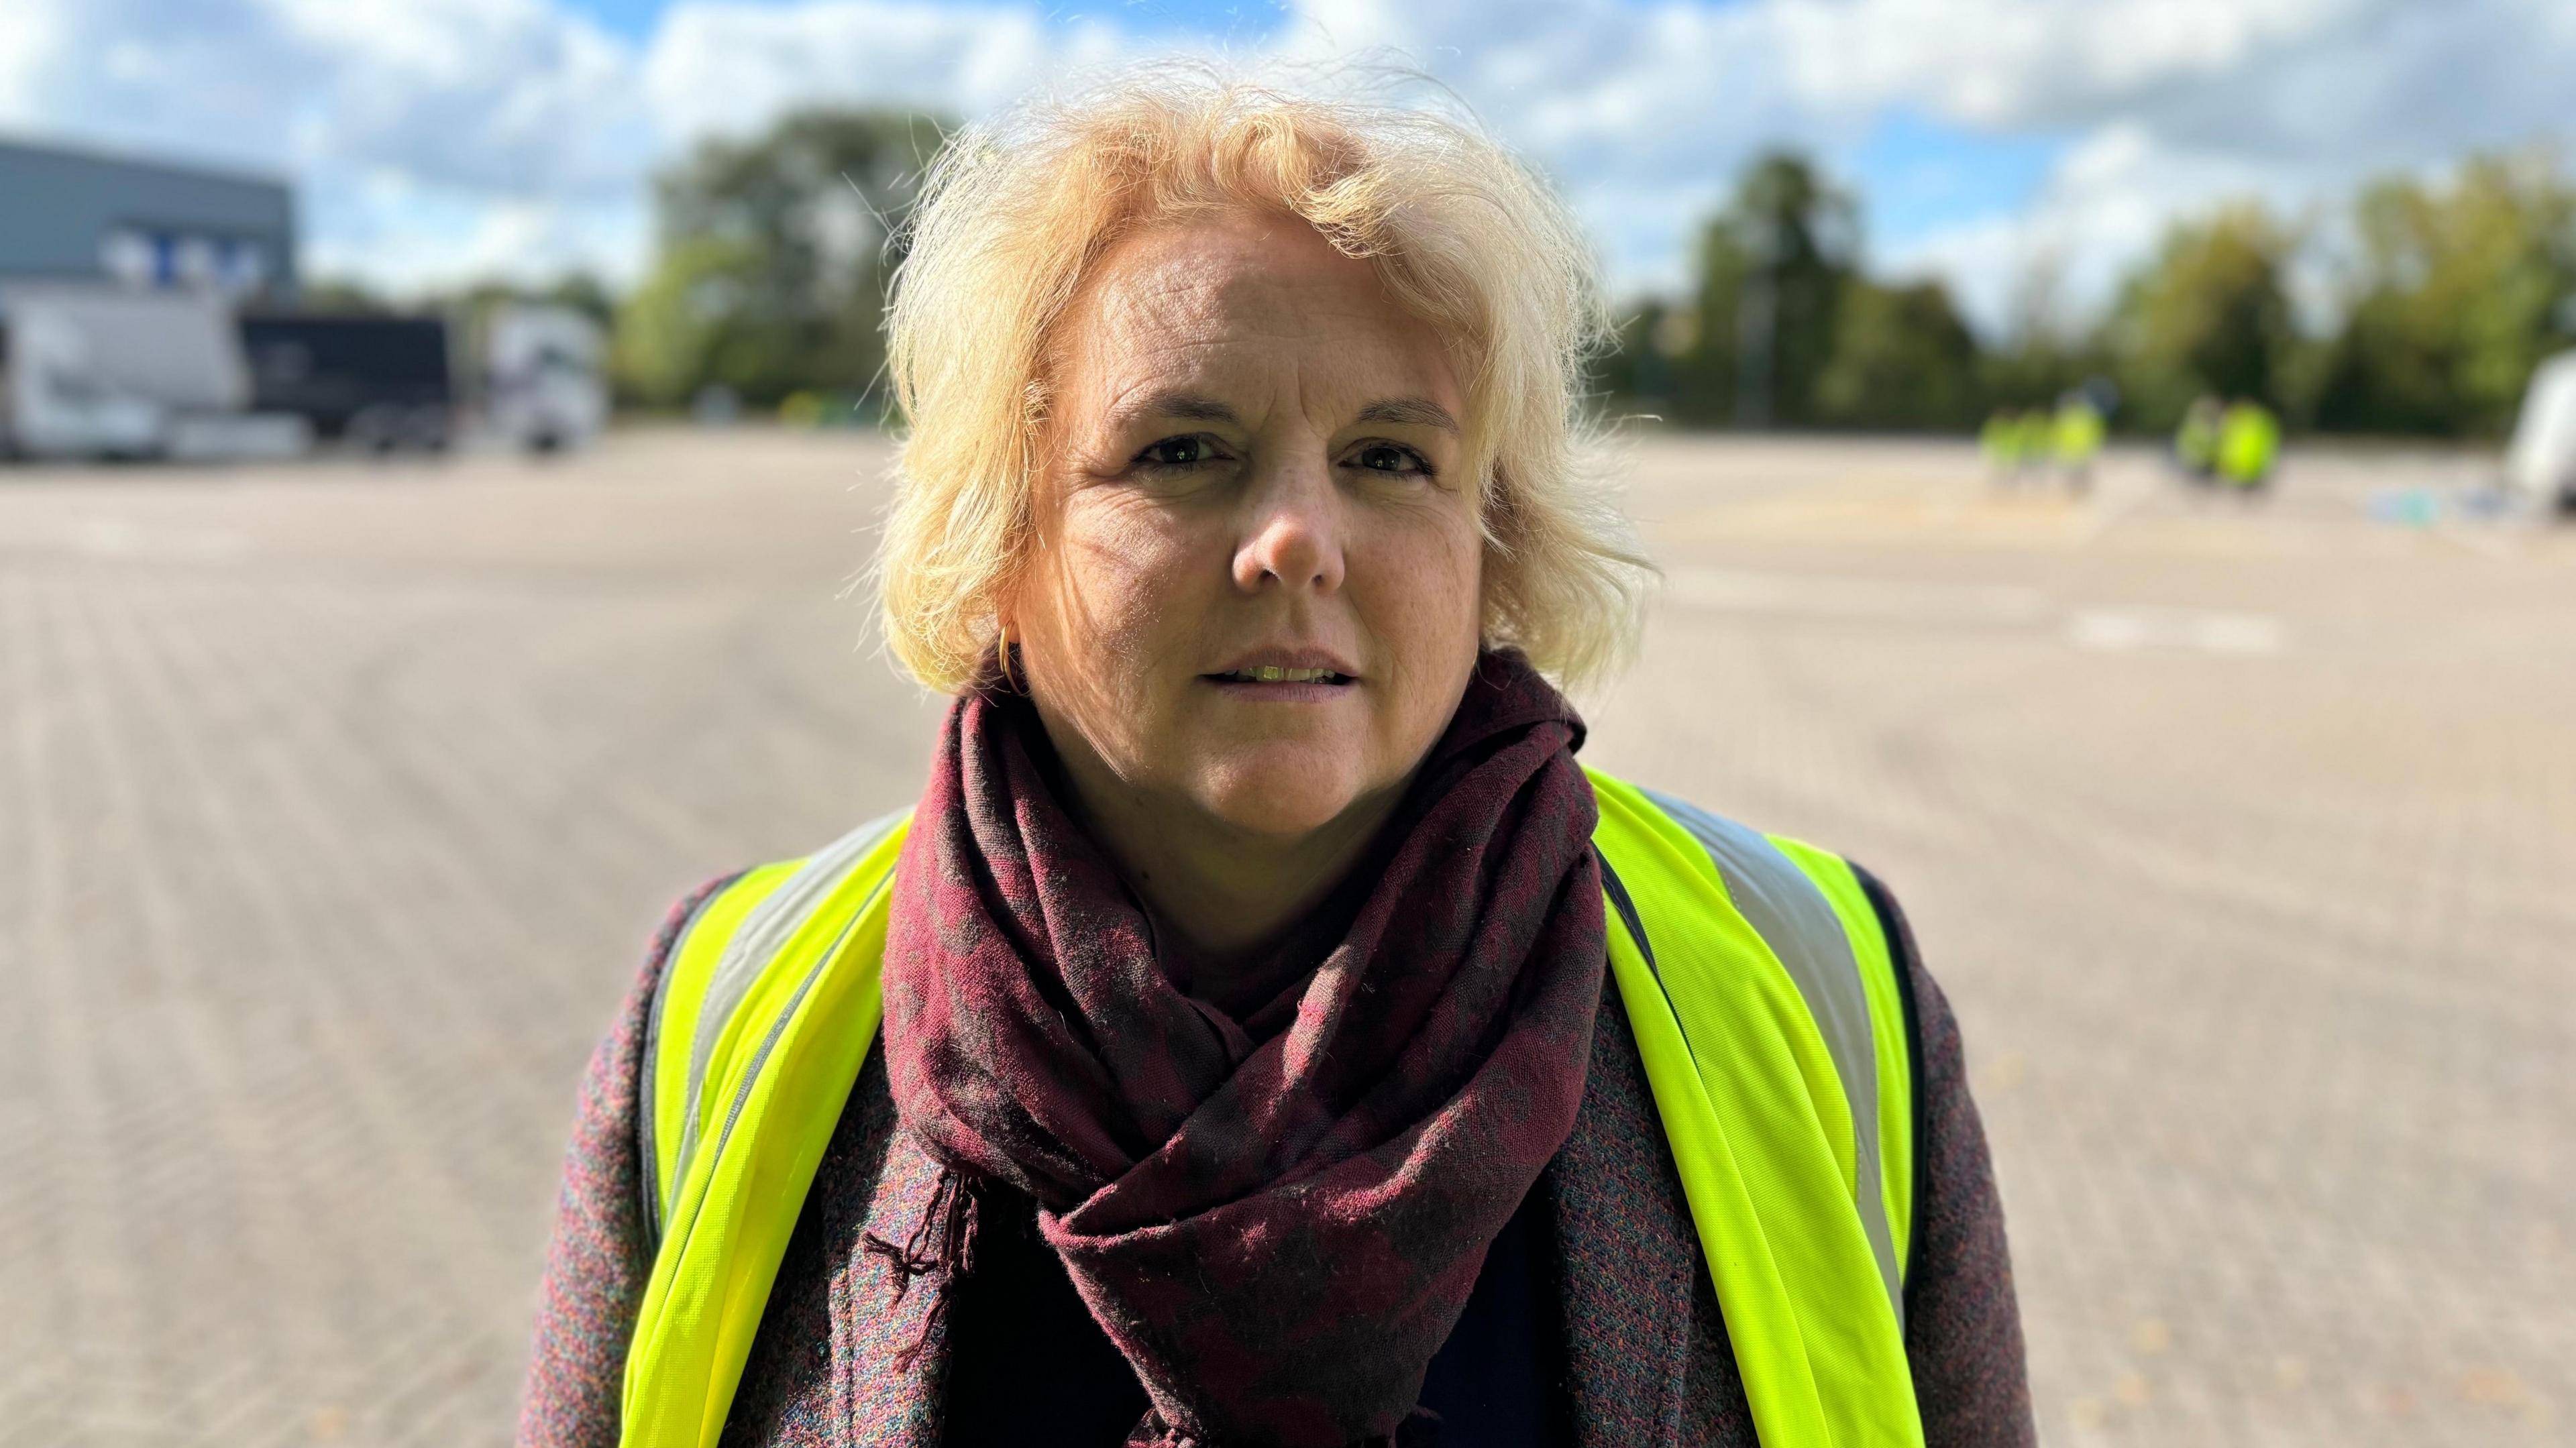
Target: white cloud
{"points": [[2017, 63], [723, 67], [523, 130], [512, 96], [505, 96], [1643, 114], [2106, 203], [27, 46], [2167, 107], [412, 239], [410, 126], [2296, 122]]}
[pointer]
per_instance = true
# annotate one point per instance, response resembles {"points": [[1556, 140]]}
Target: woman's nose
{"points": [[1293, 534]]}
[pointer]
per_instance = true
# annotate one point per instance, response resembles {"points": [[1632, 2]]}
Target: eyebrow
{"points": [[1412, 411], [1196, 407], [1186, 406]]}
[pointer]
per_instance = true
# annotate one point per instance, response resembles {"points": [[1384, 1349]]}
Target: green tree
{"points": [[1758, 329], [774, 258], [2459, 290], [582, 292], [1901, 358], [688, 327], [2209, 314], [1635, 373], [2044, 351], [343, 295]]}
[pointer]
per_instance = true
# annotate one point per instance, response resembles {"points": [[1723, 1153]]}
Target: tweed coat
{"points": [[1646, 1357]]}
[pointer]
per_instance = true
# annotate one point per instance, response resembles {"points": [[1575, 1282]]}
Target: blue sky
{"points": [[1244, 20], [1917, 175], [1989, 141]]}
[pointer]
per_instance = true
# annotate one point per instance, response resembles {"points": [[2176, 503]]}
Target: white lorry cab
{"points": [[2541, 464], [542, 366]]}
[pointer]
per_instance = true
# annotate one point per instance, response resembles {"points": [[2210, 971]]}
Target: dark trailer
{"points": [[380, 383]]}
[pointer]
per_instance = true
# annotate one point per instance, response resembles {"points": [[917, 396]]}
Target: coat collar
{"points": [[1627, 1253], [890, 1348]]}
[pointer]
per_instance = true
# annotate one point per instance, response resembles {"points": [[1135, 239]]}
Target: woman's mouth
{"points": [[1273, 674]]}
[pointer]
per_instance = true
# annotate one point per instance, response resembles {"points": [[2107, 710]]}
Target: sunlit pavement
{"points": [[335, 801]]}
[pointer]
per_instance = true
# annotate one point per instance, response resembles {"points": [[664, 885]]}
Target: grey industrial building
{"points": [[68, 214]]}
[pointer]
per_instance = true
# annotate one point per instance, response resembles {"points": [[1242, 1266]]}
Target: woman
{"points": [[1283, 1040]]}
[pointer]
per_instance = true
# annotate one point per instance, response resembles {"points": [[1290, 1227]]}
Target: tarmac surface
{"points": [[336, 799]]}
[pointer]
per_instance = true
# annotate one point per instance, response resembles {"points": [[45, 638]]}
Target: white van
{"points": [[54, 404], [2542, 462], [108, 372]]}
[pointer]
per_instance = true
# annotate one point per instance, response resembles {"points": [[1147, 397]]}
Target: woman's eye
{"points": [[1177, 452], [1386, 457]]}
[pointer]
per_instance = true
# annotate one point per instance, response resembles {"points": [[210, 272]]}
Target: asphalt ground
{"points": [[336, 799]]}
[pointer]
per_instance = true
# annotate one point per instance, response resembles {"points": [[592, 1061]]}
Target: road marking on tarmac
{"points": [[1732, 590], [1987, 605], [2121, 630], [100, 536]]}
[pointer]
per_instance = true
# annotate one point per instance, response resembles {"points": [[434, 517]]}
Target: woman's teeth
{"points": [[1272, 674]]}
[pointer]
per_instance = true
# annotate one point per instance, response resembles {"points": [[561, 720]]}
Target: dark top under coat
{"points": [[1028, 1365]]}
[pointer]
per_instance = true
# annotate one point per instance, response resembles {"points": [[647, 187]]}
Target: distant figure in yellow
{"points": [[2196, 441], [2017, 441], [2038, 439], [1999, 443], [2249, 439], [2075, 438]]}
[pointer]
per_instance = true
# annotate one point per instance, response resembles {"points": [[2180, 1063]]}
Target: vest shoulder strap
{"points": [[1809, 907], [775, 988], [1880, 962], [1750, 1014], [735, 940]]}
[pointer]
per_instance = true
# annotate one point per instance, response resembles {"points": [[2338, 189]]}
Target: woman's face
{"points": [[1257, 590]]}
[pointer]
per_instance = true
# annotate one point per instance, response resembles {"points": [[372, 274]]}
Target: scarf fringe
{"points": [[942, 1245]]}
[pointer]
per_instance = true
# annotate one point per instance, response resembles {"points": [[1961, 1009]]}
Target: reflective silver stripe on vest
{"points": [[648, 1088], [1795, 919], [764, 931]]}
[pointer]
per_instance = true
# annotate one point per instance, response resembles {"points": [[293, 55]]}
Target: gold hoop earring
{"points": [[1006, 662]]}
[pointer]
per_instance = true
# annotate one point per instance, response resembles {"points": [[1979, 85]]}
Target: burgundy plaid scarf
{"points": [[1277, 1219]]}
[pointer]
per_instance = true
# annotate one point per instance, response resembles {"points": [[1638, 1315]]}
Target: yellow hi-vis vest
{"points": [[1756, 976]]}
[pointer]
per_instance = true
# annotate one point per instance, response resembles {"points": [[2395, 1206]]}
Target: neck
{"points": [[1226, 895]]}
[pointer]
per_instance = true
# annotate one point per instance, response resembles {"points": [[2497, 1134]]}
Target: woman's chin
{"points": [[1284, 792]]}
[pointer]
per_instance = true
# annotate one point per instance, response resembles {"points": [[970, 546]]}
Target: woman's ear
{"points": [[1006, 597]]}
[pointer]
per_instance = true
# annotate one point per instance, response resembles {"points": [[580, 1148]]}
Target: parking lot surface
{"points": [[336, 800]]}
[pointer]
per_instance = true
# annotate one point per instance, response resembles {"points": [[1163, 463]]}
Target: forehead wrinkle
{"points": [[1214, 298], [1201, 327]]}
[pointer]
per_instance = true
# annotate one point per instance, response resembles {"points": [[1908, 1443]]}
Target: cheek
{"points": [[1449, 566], [1430, 583], [1131, 569], [1108, 589]]}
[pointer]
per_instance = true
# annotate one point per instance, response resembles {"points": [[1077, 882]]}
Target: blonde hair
{"points": [[1015, 212]]}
